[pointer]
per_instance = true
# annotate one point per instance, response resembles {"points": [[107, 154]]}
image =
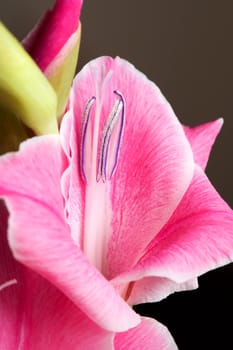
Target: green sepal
{"points": [[61, 70]]}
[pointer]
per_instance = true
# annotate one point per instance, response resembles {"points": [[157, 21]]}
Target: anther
{"points": [[84, 138], [111, 140]]}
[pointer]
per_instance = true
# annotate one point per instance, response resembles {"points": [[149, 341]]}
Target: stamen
{"points": [[7, 284], [98, 211], [111, 140], [84, 145]]}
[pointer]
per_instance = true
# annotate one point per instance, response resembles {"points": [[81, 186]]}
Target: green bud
{"points": [[24, 90]]}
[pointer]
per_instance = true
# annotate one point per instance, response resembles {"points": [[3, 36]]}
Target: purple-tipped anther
{"points": [[85, 147], [110, 144], [111, 139]]}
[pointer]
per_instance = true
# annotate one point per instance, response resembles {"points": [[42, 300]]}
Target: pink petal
{"points": [[40, 238], [197, 238], [149, 335], [46, 319], [35, 315], [202, 138], [55, 323], [155, 162], [72, 186], [53, 31], [153, 289], [10, 307]]}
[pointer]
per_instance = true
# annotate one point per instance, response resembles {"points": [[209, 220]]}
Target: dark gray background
{"points": [[185, 46]]}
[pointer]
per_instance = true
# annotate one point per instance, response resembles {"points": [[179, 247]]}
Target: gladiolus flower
{"points": [[114, 211]]}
